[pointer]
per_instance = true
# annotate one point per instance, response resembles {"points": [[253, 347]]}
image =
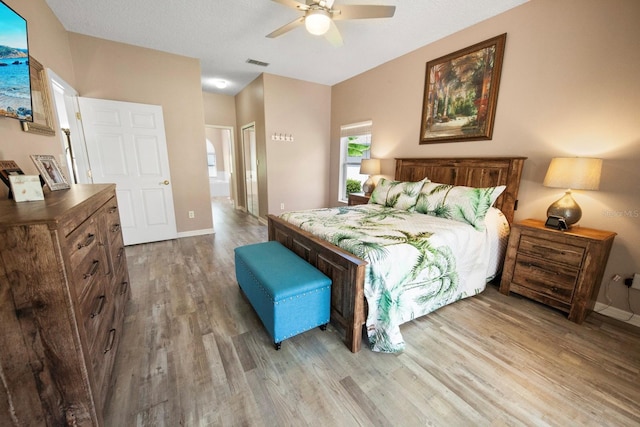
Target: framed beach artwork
{"points": [[50, 171], [42, 114], [461, 92], [15, 89]]}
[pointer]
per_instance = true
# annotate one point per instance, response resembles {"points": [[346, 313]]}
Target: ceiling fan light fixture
{"points": [[317, 21]]}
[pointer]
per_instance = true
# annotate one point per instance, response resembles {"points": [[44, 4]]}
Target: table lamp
{"points": [[577, 173], [369, 167]]}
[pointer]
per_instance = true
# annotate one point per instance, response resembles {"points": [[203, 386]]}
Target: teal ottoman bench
{"points": [[289, 295]]}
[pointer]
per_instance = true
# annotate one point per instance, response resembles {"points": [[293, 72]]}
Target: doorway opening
{"points": [[220, 163], [250, 162]]}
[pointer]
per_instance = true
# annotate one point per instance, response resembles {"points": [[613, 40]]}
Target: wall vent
{"points": [[256, 62]]}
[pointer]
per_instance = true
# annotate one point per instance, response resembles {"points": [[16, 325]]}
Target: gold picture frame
{"points": [[41, 101], [461, 93]]}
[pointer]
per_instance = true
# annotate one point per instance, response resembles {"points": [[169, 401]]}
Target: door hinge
{"points": [[78, 116]]}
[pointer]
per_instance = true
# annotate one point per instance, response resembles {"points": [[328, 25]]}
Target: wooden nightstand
{"points": [[358, 199], [562, 269]]}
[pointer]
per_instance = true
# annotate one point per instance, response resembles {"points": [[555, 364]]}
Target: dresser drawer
{"points": [[545, 278], [558, 252], [93, 306], [120, 291], [117, 252], [104, 349], [83, 240], [87, 270]]}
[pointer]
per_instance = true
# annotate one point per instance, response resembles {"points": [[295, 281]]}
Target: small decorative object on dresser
{"points": [[358, 199], [562, 269], [26, 188], [50, 171], [8, 168]]}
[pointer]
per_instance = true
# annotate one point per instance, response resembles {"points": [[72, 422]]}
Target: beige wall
{"points": [[298, 171], [295, 174], [250, 109], [121, 72], [219, 110], [569, 87], [48, 43]]}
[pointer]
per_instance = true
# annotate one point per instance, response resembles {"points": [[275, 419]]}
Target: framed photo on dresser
{"points": [[50, 171]]}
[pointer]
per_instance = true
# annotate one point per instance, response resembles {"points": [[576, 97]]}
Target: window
{"points": [[355, 145]]}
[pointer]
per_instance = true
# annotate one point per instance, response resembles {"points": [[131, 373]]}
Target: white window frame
{"points": [[362, 130]]}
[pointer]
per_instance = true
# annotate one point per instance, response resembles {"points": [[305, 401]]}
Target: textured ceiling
{"points": [[223, 34]]}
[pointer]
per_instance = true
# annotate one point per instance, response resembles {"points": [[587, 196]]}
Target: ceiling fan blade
{"points": [[333, 35], [343, 12], [286, 28], [293, 3]]}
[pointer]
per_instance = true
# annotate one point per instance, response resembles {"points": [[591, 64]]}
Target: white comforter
{"points": [[417, 263]]}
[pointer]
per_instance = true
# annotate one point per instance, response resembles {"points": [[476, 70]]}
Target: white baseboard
{"points": [[618, 314], [196, 233]]}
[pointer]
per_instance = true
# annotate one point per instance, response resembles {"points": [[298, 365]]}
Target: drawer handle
{"points": [[121, 252], [90, 239], [94, 269], [124, 286], [112, 338], [113, 209], [101, 300], [115, 228]]}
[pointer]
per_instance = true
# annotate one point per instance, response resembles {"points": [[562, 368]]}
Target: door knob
{"points": [[165, 182]]}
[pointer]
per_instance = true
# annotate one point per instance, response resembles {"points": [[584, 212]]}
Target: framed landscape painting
{"points": [[461, 92]]}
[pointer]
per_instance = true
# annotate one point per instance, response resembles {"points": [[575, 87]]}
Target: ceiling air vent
{"points": [[256, 62]]}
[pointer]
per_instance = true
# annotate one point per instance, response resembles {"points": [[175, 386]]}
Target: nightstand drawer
{"points": [[545, 278], [558, 252]]}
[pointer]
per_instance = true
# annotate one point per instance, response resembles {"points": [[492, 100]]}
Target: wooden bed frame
{"points": [[348, 306]]}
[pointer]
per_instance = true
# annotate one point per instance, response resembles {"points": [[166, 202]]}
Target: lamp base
{"points": [[368, 186], [566, 208]]}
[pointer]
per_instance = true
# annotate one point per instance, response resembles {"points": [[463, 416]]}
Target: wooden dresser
{"points": [[63, 289], [562, 269]]}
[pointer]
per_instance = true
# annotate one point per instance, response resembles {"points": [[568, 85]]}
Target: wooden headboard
{"points": [[470, 172]]}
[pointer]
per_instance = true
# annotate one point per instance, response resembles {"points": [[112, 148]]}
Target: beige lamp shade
{"points": [[578, 173], [369, 167]]}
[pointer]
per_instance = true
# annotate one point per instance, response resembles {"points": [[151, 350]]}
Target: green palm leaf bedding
{"points": [[417, 263]]}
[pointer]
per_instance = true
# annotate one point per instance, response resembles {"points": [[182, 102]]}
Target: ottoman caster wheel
{"points": [[278, 345], [323, 327]]}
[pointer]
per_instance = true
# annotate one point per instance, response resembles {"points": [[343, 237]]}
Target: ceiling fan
{"points": [[319, 16]]}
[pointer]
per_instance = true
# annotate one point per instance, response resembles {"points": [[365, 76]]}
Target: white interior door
{"points": [[126, 145], [250, 161]]}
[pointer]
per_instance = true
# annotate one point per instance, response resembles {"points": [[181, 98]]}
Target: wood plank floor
{"points": [[193, 353]]}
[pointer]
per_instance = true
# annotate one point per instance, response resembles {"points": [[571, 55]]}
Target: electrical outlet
{"points": [[616, 277], [636, 281], [282, 206], [192, 214]]}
